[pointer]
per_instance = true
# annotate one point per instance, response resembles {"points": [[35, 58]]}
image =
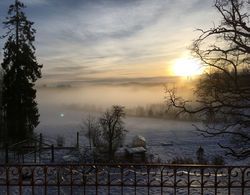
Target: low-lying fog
{"points": [[72, 101], [99, 96], [63, 108]]}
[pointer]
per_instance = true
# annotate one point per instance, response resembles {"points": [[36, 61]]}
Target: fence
{"points": [[123, 179], [32, 148]]}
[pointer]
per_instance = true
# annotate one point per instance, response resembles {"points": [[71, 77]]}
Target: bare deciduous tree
{"points": [[112, 129], [106, 133], [91, 127], [222, 95]]}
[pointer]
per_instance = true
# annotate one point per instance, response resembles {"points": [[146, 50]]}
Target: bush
{"points": [[218, 160], [182, 160], [60, 141]]}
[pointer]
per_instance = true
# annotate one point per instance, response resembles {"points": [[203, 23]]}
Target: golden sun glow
{"points": [[187, 67]]}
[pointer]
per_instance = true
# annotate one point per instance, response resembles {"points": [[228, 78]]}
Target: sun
{"points": [[187, 67]]}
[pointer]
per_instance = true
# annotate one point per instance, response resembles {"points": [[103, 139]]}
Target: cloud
{"points": [[68, 69], [26, 2], [140, 81], [105, 37], [35, 2]]}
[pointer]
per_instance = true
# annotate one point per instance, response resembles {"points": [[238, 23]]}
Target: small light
{"points": [[62, 115]]}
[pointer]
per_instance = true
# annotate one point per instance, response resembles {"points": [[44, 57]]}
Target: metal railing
{"points": [[123, 179]]}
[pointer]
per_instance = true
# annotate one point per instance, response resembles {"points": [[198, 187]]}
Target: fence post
{"points": [[40, 140], [40, 145], [77, 140], [52, 153], [6, 153], [22, 156], [35, 151]]}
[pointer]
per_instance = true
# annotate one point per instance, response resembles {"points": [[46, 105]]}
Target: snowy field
{"points": [[185, 139]]}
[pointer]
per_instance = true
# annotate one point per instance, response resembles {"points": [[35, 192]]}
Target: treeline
{"points": [[160, 110]]}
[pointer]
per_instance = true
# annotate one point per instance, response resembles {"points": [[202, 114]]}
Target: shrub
{"points": [[218, 160], [60, 141], [182, 160]]}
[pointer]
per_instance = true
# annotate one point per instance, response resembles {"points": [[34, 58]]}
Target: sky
{"points": [[113, 40]]}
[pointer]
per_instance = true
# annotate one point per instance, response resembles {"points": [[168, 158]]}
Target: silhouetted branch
{"points": [[222, 95]]}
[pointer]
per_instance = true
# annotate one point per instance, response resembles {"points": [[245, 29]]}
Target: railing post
{"points": [[229, 180], [189, 183], [20, 183], [162, 170], [122, 182], [58, 179], [243, 181], [52, 153], [202, 180], [215, 181], [148, 179], [135, 179], [45, 170], [7, 180], [96, 179], [6, 153], [175, 180]]}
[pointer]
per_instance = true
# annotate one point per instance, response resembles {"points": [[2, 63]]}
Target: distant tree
{"points": [[150, 112], [222, 95], [21, 70], [112, 130], [60, 140], [200, 156], [140, 111], [91, 127]]}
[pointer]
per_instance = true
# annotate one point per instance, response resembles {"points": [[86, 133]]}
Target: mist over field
{"points": [[63, 108], [71, 102], [77, 99], [101, 96]]}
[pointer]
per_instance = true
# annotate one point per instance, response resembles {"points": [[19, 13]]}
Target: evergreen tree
{"points": [[21, 70]]}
